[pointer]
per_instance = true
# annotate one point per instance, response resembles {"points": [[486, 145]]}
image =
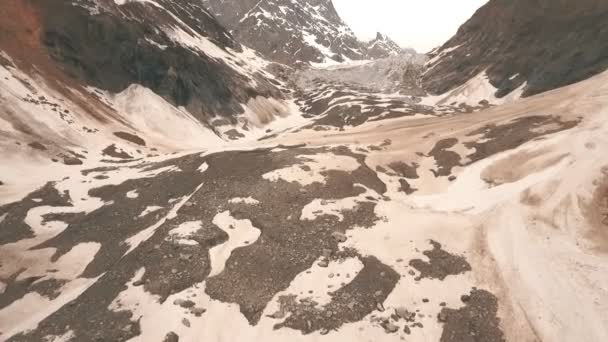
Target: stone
{"points": [[339, 237], [186, 322], [184, 303], [390, 328], [171, 337], [198, 311]]}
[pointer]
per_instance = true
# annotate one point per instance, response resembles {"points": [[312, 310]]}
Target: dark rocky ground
{"points": [[253, 274]]}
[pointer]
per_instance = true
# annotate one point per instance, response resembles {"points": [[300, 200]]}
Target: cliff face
{"points": [[535, 44]]}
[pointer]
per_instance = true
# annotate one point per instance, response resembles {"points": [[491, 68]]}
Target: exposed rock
{"points": [[37, 146], [184, 303], [390, 328], [131, 138], [171, 337], [441, 263], [476, 321], [186, 322], [339, 237], [198, 311], [72, 161]]}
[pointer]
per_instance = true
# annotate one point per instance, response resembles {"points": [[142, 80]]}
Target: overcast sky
{"points": [[421, 24]]}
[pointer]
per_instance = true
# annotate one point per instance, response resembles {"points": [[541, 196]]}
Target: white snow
{"points": [[183, 233], [317, 164], [132, 194], [149, 210], [240, 233], [244, 200]]}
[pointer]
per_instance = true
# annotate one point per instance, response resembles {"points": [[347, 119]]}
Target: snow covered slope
{"points": [[290, 32]]}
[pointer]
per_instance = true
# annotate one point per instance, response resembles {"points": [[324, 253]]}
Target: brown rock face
{"points": [[544, 43]]}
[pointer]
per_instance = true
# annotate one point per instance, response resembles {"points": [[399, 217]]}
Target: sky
{"points": [[421, 24]]}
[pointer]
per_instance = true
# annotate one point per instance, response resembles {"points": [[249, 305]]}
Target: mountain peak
{"points": [[383, 46]]}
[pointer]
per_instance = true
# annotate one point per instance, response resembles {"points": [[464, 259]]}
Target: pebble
{"points": [[380, 307], [442, 317], [323, 263]]}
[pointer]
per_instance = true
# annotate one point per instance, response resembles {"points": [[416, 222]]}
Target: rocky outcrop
{"points": [[538, 45]]}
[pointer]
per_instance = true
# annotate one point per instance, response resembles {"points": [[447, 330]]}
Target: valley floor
{"points": [[485, 225]]}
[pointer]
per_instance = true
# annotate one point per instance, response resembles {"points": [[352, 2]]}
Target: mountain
{"points": [[382, 46], [290, 32], [163, 70], [529, 46]]}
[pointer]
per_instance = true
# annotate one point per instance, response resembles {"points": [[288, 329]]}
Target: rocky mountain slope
{"points": [[298, 33], [529, 46], [290, 32], [77, 72]]}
